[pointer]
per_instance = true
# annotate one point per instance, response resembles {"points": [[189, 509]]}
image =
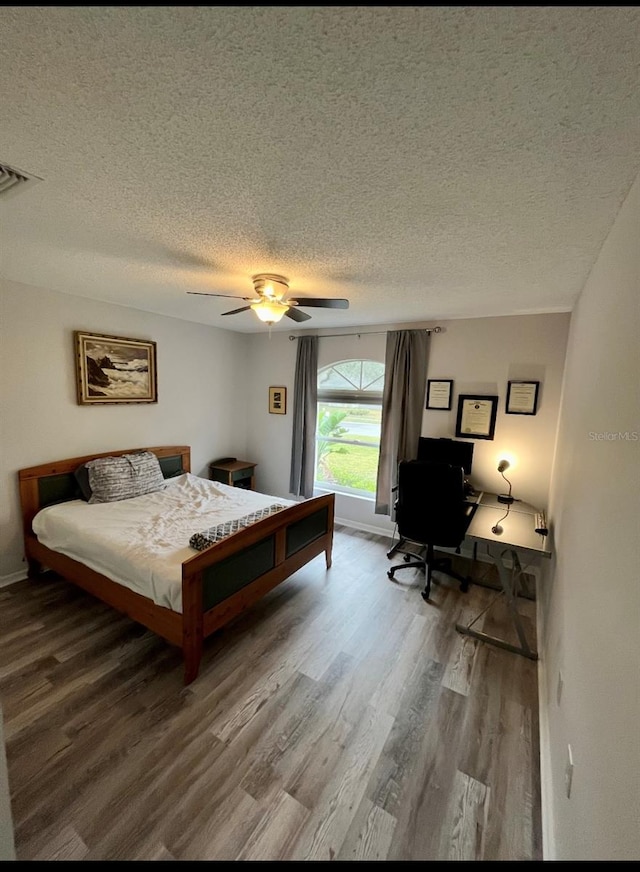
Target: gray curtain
{"points": [[403, 398], [305, 404]]}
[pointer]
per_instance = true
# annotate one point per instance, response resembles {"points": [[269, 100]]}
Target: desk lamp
{"points": [[505, 498], [497, 528]]}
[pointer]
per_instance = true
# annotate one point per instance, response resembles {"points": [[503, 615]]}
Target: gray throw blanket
{"points": [[200, 541]]}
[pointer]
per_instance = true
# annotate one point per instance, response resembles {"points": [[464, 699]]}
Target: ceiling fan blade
{"points": [[321, 303], [235, 311], [228, 296], [295, 315]]}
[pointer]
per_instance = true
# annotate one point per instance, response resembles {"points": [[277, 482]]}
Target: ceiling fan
{"points": [[269, 303]]}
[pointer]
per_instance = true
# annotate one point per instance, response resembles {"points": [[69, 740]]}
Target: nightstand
{"points": [[237, 473]]}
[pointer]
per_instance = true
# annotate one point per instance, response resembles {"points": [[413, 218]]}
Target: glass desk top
{"points": [[516, 529], [492, 501]]}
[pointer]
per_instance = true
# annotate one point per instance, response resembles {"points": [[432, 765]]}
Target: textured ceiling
{"points": [[425, 162]]}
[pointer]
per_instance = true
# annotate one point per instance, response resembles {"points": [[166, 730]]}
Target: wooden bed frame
{"points": [[246, 565]]}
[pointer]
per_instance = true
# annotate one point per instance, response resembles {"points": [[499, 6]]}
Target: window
{"points": [[348, 428]]}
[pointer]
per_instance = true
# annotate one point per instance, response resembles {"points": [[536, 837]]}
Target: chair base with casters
{"points": [[428, 564], [400, 545]]}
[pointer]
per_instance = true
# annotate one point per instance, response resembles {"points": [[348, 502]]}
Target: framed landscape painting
{"points": [[113, 369]]}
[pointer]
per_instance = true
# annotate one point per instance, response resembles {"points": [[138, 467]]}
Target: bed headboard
{"points": [[55, 482]]}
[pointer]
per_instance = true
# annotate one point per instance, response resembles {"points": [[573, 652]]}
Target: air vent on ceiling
{"points": [[13, 181]]}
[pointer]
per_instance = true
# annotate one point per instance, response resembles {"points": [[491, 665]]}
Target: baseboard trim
{"points": [[6, 580], [546, 781], [365, 528]]}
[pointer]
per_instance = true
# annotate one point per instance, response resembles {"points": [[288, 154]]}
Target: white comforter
{"points": [[142, 542]]}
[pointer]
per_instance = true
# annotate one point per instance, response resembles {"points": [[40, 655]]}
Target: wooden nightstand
{"points": [[237, 473]]}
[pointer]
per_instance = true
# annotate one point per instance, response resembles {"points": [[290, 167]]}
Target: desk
{"points": [[516, 540]]}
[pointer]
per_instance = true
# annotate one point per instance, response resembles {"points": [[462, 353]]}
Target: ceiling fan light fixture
{"points": [[271, 305], [270, 311]]}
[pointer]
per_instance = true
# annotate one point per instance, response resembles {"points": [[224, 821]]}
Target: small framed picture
{"points": [[522, 398], [439, 393], [476, 416], [277, 401]]}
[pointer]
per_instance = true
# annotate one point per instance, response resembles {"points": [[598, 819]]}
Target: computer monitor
{"points": [[446, 451]]}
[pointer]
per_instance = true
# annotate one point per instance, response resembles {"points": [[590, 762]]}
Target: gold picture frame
{"points": [[114, 370], [277, 401]]}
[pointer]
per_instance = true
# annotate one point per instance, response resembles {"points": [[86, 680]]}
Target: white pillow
{"points": [[120, 478]]}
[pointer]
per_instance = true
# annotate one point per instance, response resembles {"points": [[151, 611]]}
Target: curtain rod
{"points": [[427, 330]]}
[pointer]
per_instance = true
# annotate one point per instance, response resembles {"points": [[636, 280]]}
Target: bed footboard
{"points": [[228, 577]]}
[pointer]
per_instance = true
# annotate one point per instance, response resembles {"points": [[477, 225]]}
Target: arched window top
{"points": [[353, 377]]}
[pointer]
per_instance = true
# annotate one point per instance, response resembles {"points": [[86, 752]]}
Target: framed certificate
{"points": [[439, 393], [522, 398], [476, 416]]}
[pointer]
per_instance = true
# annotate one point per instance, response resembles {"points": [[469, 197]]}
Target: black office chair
{"points": [[431, 511]]}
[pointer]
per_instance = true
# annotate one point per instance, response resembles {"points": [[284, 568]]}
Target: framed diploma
{"points": [[476, 416], [522, 398], [439, 393]]}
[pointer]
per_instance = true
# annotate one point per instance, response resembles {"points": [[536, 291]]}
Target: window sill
{"points": [[344, 492]]}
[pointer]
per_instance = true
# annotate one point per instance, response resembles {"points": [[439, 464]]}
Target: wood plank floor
{"points": [[341, 718]]}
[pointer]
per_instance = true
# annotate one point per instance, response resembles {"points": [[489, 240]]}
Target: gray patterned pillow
{"points": [[120, 478], [200, 541]]}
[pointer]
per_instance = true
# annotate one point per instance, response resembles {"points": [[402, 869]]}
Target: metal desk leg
{"points": [[521, 579], [523, 590], [508, 579]]}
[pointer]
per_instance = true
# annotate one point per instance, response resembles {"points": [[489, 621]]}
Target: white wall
{"points": [[201, 403], [480, 354], [589, 620]]}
